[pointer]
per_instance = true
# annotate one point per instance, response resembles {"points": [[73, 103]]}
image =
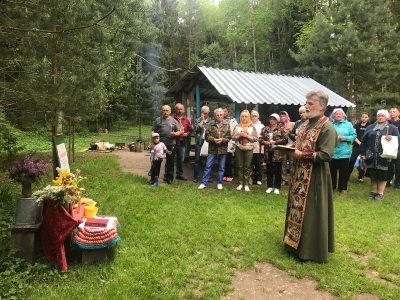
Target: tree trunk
{"points": [[254, 39]]}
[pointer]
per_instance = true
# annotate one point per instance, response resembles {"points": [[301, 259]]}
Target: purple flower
{"points": [[27, 170]]}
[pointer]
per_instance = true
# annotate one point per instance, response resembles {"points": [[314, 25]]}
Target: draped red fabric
{"points": [[57, 224]]}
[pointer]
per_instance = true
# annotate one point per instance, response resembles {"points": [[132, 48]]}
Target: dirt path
{"points": [[265, 281]]}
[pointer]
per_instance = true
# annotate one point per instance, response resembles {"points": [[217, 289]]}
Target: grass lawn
{"points": [[182, 243]]}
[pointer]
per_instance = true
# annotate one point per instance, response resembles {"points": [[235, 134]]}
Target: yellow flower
{"points": [[64, 173], [57, 181]]}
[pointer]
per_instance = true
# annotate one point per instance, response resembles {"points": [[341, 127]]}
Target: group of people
{"points": [[308, 231], [321, 154], [363, 142], [251, 141], [169, 135]]}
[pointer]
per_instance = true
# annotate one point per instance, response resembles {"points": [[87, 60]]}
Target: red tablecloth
{"points": [[57, 224]]}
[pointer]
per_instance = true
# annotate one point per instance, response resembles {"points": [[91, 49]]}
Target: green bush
{"points": [[7, 206]]}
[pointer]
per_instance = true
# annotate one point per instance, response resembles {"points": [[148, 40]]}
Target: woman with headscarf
{"points": [[343, 149], [244, 135], [371, 150], [287, 125]]}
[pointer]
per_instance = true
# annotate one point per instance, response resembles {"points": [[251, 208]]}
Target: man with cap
{"points": [[273, 135]]}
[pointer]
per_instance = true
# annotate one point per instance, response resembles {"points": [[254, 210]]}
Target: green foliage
{"points": [[74, 69], [8, 138], [353, 41], [7, 203]]}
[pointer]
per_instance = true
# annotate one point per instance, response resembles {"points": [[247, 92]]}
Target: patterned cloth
{"points": [[57, 225], [96, 238]]}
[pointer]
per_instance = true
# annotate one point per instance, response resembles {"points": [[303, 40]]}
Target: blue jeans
{"points": [[209, 164], [180, 159]]}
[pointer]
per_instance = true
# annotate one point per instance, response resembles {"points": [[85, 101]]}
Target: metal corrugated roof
{"points": [[257, 88]]}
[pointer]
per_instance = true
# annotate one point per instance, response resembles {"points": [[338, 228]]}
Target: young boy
{"points": [[156, 158]]}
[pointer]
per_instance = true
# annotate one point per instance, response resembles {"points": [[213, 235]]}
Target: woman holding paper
{"points": [[371, 151]]}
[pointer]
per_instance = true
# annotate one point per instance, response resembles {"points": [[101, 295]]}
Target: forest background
{"points": [[104, 61]]}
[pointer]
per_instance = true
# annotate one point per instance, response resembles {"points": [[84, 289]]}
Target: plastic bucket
{"points": [[90, 211]]}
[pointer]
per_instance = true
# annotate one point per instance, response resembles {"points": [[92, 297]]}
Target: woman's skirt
{"points": [[375, 174]]}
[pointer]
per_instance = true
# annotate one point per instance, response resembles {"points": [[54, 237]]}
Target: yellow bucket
{"points": [[90, 211]]}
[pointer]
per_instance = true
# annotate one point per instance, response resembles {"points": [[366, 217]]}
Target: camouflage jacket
{"points": [[280, 136], [213, 132]]}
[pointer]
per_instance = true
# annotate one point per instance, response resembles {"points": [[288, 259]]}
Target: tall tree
{"points": [[167, 52], [61, 55], [352, 47]]}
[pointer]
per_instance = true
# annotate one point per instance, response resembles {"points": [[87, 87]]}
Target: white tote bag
{"points": [[204, 149], [390, 148]]}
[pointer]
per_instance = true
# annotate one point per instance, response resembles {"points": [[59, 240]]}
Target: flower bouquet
{"points": [[27, 171], [65, 189]]}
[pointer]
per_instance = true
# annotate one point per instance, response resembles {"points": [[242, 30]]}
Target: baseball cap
{"points": [[155, 135]]}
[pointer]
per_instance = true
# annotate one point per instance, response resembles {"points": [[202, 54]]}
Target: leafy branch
{"points": [[10, 28]]}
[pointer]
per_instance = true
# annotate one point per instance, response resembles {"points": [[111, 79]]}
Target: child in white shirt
{"points": [[156, 158]]}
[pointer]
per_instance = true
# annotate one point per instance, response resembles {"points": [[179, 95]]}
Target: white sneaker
{"points": [[219, 186], [276, 191], [269, 190], [259, 183], [239, 187], [246, 188], [201, 186]]}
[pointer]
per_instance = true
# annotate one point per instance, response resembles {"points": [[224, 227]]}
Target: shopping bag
{"points": [[390, 148], [204, 149], [361, 164]]}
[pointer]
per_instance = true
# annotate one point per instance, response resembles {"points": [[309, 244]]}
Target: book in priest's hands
{"points": [[284, 148]]}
